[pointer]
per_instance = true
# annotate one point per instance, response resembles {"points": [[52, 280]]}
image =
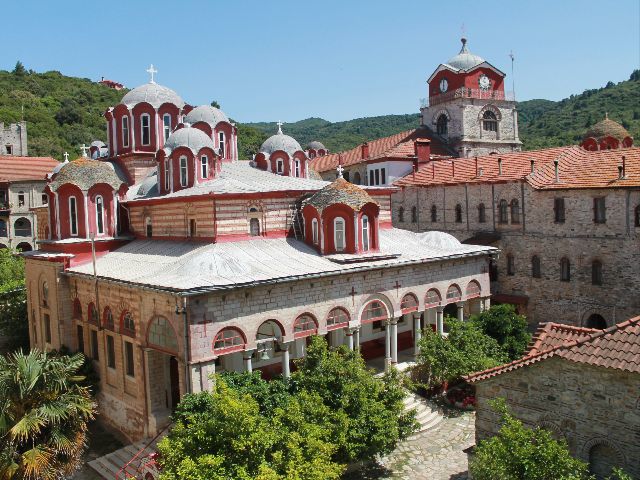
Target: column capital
{"points": [[284, 345], [247, 354], [394, 320], [417, 314], [461, 303], [440, 308]]}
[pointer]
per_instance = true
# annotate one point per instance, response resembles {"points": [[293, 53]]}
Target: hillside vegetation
{"points": [[64, 112]]}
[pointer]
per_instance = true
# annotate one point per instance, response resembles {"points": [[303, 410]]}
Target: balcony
{"points": [[5, 208], [464, 92]]}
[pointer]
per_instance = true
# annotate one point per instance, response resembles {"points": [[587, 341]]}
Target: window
{"points": [[279, 166], [374, 311], [111, 352], [228, 340], [77, 309], [453, 293], [482, 213], [637, 216], [167, 174], [414, 214], [599, 210], [99, 215], [47, 328], [515, 211], [401, 214], [365, 233], [22, 227], [409, 303], [337, 318], [21, 199], [204, 166], [45, 294], [125, 132], [558, 210], [502, 212], [145, 129], [432, 299], [107, 319], [148, 227], [166, 121], [434, 213], [73, 216], [128, 325], [458, 213], [473, 289], [314, 231], [442, 123], [565, 270], [183, 171], [356, 178], [93, 314], [221, 144], [297, 167], [345, 175], [80, 335], [45, 199], [371, 177], [383, 176], [129, 366], [304, 326], [535, 267], [339, 234], [94, 345], [596, 273], [378, 176], [9, 149], [489, 121], [192, 227], [511, 265], [254, 227]]}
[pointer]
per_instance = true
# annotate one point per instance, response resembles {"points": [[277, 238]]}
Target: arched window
{"points": [[374, 311], [304, 326], [409, 303], [401, 214], [453, 293], [596, 272], [511, 264], [414, 214], [515, 211], [161, 334], [442, 125], [565, 270], [148, 227], [125, 131], [145, 128], [279, 166], [337, 318], [482, 213], [22, 227], [107, 319], [228, 340], [535, 267], [602, 460], [473, 289], [314, 231], [489, 121], [21, 198], [77, 309], [365, 233], [339, 234], [432, 298], [99, 215], [45, 294], [166, 123], [596, 321], [502, 212], [183, 171], [254, 227], [128, 326], [357, 179], [73, 216], [637, 215], [167, 174], [296, 163], [45, 199], [434, 213], [458, 213], [204, 167], [221, 144], [92, 313]]}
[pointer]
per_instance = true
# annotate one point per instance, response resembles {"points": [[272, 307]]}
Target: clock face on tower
{"points": [[444, 85], [484, 82]]}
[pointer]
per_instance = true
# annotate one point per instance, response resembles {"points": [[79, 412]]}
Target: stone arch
{"points": [[77, 309], [473, 289], [602, 455], [552, 426], [24, 247], [229, 340], [127, 324], [433, 298], [305, 325], [387, 305], [595, 320], [454, 294], [22, 227], [337, 317], [276, 327], [490, 108], [409, 303], [161, 335], [107, 319], [439, 113]]}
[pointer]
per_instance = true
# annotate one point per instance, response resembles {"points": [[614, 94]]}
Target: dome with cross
{"points": [[152, 93], [280, 141]]}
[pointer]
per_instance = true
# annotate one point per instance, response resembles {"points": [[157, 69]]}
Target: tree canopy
{"points": [[14, 326], [509, 329]]}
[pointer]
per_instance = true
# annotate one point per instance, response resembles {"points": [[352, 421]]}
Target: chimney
{"points": [[415, 169], [365, 150], [422, 148], [499, 166], [620, 172], [624, 167], [533, 164], [476, 166], [555, 163], [433, 170], [453, 169]]}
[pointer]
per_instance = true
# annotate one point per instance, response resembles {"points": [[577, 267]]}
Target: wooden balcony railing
{"points": [[464, 92]]}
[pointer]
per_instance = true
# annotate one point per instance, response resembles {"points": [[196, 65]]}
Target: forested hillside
{"points": [[63, 112]]}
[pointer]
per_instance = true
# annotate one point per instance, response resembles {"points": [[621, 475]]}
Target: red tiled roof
{"points": [[399, 146], [25, 168], [616, 347], [577, 168]]}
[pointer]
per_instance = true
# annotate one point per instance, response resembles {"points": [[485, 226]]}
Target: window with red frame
{"points": [[107, 319], [409, 303], [337, 318], [432, 299], [473, 289], [128, 325], [304, 326], [227, 340], [93, 314], [374, 311]]}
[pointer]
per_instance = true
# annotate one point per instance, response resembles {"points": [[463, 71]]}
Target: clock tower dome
{"points": [[469, 108]]}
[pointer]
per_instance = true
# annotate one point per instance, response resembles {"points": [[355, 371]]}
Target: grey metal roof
{"points": [[197, 267], [238, 177], [153, 94], [315, 145], [465, 59], [208, 114], [280, 141], [189, 137]]}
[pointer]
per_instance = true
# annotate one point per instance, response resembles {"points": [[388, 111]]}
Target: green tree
{"points": [[215, 104], [520, 453], [14, 326], [509, 329], [43, 416], [19, 69]]}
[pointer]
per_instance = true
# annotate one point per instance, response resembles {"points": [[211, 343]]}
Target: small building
{"points": [[581, 384], [13, 139]]}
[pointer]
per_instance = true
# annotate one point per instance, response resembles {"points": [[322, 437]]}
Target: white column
{"points": [[246, 356], [356, 338], [286, 372], [487, 303], [440, 320], [417, 332], [460, 306], [85, 194], [349, 334], [387, 344], [394, 341]]}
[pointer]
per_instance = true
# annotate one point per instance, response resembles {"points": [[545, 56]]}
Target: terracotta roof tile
{"points": [[340, 191], [616, 347], [25, 168]]}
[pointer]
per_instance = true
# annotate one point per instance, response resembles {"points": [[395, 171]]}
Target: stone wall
{"points": [[588, 406]]}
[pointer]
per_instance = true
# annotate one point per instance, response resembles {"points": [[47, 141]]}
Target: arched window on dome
{"points": [[442, 125], [297, 167], [204, 167], [166, 124], [125, 131], [183, 171], [339, 234], [221, 144], [145, 129], [167, 174], [314, 231], [73, 216], [99, 215], [365, 233], [489, 121], [279, 166]]}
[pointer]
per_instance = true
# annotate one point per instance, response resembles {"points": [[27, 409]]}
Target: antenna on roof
{"points": [[513, 78]]}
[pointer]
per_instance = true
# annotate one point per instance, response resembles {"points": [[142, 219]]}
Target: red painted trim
{"points": [[337, 326], [305, 333]]}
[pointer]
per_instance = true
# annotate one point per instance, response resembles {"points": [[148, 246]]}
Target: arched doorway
{"points": [[24, 247], [596, 320], [268, 351], [602, 459], [164, 376]]}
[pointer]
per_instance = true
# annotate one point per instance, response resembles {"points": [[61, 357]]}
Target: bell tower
{"points": [[469, 108]]}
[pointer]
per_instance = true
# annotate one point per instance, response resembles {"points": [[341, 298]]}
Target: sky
{"points": [[268, 60]]}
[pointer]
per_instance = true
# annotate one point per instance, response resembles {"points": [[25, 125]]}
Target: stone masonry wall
{"points": [[14, 135]]}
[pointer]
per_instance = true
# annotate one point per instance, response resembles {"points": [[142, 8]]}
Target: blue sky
{"points": [[268, 60]]}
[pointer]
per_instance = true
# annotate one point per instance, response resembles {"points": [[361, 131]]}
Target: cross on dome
{"points": [[279, 123], [84, 149], [66, 157], [152, 71], [340, 170]]}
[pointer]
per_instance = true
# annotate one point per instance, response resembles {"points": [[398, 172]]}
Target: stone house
{"points": [[581, 384]]}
